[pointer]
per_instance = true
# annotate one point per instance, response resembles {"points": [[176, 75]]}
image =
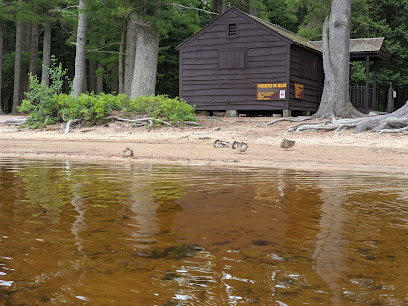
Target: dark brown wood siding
{"points": [[221, 72], [306, 67]]}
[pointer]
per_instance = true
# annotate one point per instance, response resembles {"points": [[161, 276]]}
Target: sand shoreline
{"points": [[323, 151]]}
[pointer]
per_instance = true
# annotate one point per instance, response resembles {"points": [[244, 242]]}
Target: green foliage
{"points": [[310, 16], [40, 101], [95, 109], [92, 108], [162, 107]]}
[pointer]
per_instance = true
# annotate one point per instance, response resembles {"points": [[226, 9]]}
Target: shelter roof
{"points": [[362, 47]]}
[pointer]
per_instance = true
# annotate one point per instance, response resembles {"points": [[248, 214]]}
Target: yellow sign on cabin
{"points": [[273, 91]]}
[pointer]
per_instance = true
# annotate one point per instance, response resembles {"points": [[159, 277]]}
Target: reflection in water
{"points": [[330, 252], [158, 235]]}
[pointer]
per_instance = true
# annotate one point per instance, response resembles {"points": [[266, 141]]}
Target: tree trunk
{"points": [[17, 67], [80, 62], [120, 66], [33, 49], [130, 56], [92, 75], [1, 61], [335, 100], [219, 6], [46, 61], [114, 81], [100, 73], [26, 48], [145, 70], [253, 10], [99, 78]]}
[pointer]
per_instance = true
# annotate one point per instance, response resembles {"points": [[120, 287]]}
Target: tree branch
{"points": [[177, 5]]}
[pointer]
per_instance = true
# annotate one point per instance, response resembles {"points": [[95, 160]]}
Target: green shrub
{"points": [[40, 102], [92, 108], [47, 104], [162, 107]]}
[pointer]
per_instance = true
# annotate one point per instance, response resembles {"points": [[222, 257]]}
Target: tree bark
{"points": [[114, 81], [100, 73], [335, 100], [130, 56], [219, 6], [26, 48], [80, 62], [252, 9], [1, 61], [46, 61], [120, 66], [92, 75], [17, 67], [99, 78], [145, 69], [33, 49]]}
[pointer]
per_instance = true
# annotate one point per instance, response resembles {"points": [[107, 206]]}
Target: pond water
{"points": [[131, 234]]}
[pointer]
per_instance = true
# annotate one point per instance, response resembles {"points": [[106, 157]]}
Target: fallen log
{"points": [[193, 123], [14, 121], [326, 127], [139, 120], [293, 128], [290, 119]]}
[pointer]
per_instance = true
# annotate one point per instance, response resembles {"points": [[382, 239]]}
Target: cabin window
{"points": [[231, 59], [232, 30]]}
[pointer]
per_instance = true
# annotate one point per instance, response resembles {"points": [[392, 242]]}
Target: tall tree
{"points": [[335, 100], [92, 75], [46, 61], [100, 72], [17, 66], [120, 65], [80, 62], [33, 49], [146, 57], [130, 54]]}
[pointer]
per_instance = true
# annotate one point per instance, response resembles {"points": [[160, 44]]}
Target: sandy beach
{"points": [[346, 151]]}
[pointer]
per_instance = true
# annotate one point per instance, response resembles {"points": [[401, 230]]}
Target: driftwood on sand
{"points": [[14, 121]]}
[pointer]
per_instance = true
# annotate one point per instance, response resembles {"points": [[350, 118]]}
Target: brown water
{"points": [[162, 235]]}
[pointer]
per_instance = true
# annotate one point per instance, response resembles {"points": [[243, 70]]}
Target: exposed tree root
{"points": [[320, 123], [149, 128], [290, 119], [70, 123], [395, 122]]}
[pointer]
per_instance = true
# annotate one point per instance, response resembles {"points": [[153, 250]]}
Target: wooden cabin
{"points": [[244, 64]]}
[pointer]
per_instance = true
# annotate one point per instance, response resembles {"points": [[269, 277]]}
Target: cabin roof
{"points": [[298, 39], [286, 34], [359, 48]]}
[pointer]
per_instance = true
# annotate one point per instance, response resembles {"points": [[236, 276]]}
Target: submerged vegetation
{"points": [[49, 105]]}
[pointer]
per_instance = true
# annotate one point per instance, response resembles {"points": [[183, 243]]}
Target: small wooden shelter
{"points": [[243, 63], [364, 98]]}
